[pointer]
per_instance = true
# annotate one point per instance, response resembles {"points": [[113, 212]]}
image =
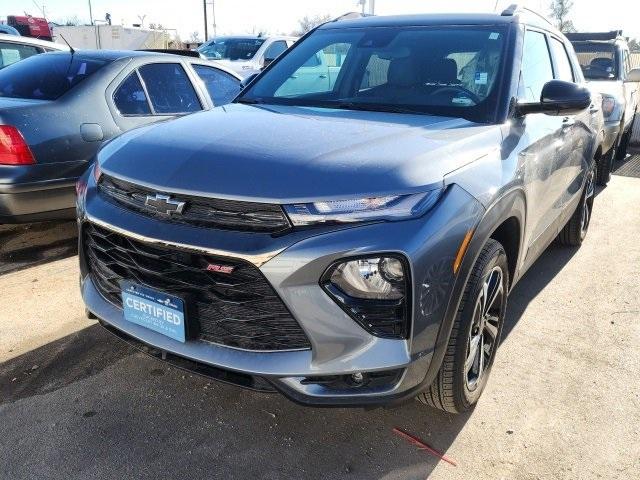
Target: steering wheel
{"points": [[457, 89]]}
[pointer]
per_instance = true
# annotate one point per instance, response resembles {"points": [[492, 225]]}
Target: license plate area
{"points": [[155, 310]]}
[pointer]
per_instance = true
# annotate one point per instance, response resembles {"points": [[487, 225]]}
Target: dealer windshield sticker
{"points": [[482, 78], [494, 36]]}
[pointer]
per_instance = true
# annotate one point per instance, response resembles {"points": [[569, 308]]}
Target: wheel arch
{"points": [[502, 219]]}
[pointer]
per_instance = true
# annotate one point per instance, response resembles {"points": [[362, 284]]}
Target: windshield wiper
{"points": [[372, 107], [249, 101]]}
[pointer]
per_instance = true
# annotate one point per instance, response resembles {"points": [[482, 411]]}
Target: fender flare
{"points": [[511, 204]]}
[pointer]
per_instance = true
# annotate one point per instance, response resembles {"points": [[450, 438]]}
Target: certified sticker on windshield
{"points": [[482, 78], [494, 36]]}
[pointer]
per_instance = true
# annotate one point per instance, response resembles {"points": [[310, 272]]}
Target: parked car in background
{"points": [[245, 54], [58, 109], [605, 62], [351, 244], [14, 48], [8, 29]]}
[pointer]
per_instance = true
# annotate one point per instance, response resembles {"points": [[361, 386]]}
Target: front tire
{"points": [[475, 335], [575, 231]]}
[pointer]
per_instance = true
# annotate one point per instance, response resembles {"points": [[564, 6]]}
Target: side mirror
{"points": [[247, 80], [633, 75], [559, 98]]}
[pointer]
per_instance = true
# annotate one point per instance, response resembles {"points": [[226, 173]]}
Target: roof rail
{"points": [[514, 9], [351, 15], [602, 36]]}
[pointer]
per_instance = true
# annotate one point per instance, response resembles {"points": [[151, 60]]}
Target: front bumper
{"points": [[293, 265], [611, 133]]}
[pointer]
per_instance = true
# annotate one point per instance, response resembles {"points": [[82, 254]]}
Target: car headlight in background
{"points": [[391, 207], [374, 291], [608, 106]]}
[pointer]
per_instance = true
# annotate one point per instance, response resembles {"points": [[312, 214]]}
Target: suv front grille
{"points": [[238, 309], [199, 211]]}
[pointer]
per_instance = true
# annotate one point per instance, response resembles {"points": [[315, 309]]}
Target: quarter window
{"points": [[169, 89], [130, 98], [563, 65], [221, 86], [536, 67]]}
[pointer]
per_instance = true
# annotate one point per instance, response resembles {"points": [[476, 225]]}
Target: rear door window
{"points": [[169, 89], [47, 76], [221, 86], [14, 52], [130, 98]]}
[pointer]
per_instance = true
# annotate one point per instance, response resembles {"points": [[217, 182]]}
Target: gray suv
{"points": [[353, 243]]}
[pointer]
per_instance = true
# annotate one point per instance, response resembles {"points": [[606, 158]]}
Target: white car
{"points": [[245, 54], [14, 48]]}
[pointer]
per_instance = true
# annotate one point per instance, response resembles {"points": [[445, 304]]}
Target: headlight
{"points": [[374, 291], [608, 105], [392, 207]]}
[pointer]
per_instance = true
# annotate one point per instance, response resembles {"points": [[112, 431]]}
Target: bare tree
{"points": [[72, 21], [560, 10], [307, 23], [634, 45], [195, 37]]}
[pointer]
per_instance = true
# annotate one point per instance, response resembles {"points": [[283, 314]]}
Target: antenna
{"points": [[71, 49]]}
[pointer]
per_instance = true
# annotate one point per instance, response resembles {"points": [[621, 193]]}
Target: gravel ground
{"points": [[563, 400]]}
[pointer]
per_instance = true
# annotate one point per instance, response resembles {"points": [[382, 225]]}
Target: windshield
{"points": [[444, 70], [597, 60], [229, 48], [46, 76]]}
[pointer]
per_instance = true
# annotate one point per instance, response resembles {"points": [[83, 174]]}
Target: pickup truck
{"points": [[605, 61]]}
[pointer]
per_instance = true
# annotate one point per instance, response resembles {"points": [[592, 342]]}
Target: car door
{"points": [[221, 86], [577, 133], [12, 52], [152, 92], [630, 89], [542, 136]]}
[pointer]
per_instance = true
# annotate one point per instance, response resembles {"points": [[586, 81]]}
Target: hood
{"points": [[608, 87], [294, 154]]}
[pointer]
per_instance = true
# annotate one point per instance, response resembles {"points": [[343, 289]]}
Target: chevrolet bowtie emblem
{"points": [[164, 204]]}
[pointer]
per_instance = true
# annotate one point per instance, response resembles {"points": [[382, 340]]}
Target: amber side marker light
{"points": [[462, 250]]}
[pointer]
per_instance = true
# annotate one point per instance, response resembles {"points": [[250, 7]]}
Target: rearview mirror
{"points": [[633, 75], [267, 61], [558, 98]]}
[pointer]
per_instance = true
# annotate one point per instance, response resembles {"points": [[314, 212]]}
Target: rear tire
{"points": [[605, 167], [575, 231], [475, 335]]}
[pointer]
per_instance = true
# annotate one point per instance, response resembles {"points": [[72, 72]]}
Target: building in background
{"points": [[112, 37]]}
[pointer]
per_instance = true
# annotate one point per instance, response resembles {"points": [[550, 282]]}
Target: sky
{"points": [[281, 16]]}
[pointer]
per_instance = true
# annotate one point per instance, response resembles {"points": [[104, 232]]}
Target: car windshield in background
{"points": [[597, 60], [47, 76], [227, 48], [449, 71]]}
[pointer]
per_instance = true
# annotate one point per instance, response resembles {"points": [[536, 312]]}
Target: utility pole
{"points": [[90, 13], [206, 27], [213, 8], [372, 7]]}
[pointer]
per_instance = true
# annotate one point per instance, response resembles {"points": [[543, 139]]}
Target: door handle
{"points": [[322, 75], [568, 122], [293, 76]]}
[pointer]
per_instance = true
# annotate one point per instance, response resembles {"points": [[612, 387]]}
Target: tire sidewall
{"points": [[463, 396]]}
